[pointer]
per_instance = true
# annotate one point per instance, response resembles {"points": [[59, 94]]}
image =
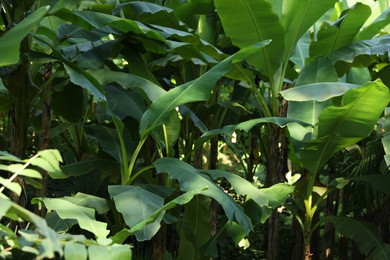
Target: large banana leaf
{"points": [[273, 196], [249, 21], [331, 38], [155, 216], [85, 216], [319, 70], [365, 235], [297, 17], [376, 46], [197, 90], [137, 204], [195, 228], [245, 126], [386, 138], [339, 127], [191, 179], [375, 27], [150, 90], [317, 91], [10, 41], [49, 245]]}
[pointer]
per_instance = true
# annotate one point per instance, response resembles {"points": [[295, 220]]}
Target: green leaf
{"points": [[333, 37], [260, 24], [74, 250], [273, 196], [10, 40], [120, 252], [137, 204], [317, 91], [49, 160], [245, 126], [319, 70], [84, 216], [386, 137], [197, 90], [377, 181], [89, 201], [12, 186], [365, 235], [49, 245], [375, 27], [195, 228], [339, 127], [297, 17], [301, 51], [149, 13], [150, 90], [376, 46], [5, 205], [190, 179]]}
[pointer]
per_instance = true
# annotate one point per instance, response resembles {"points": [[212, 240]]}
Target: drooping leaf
{"points": [[339, 127], [197, 90], [377, 181], [245, 126], [151, 90], [10, 41], [85, 216], [376, 46], [136, 204], [365, 235], [89, 201], [273, 196], [180, 200], [190, 179], [260, 23], [317, 91], [150, 13], [49, 244], [77, 75]]}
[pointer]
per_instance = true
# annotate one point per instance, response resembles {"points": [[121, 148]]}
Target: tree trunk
{"points": [[45, 133], [213, 166], [276, 169], [332, 202]]}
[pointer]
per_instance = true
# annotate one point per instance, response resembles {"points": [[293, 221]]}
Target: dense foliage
{"points": [[190, 129]]}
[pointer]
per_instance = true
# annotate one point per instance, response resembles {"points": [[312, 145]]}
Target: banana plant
{"points": [[333, 132]]}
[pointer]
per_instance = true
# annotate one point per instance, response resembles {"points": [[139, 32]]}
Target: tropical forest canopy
{"points": [[194, 129]]}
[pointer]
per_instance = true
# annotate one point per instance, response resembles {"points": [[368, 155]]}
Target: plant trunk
{"points": [[296, 237], [332, 200], [276, 169], [21, 90], [343, 248], [213, 166], [308, 254], [45, 133]]}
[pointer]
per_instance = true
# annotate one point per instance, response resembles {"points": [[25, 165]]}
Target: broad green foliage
{"points": [[190, 179], [335, 123], [43, 241], [10, 47], [166, 112], [365, 235]]}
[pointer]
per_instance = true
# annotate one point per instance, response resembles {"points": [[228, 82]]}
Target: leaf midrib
{"points": [[330, 136]]}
